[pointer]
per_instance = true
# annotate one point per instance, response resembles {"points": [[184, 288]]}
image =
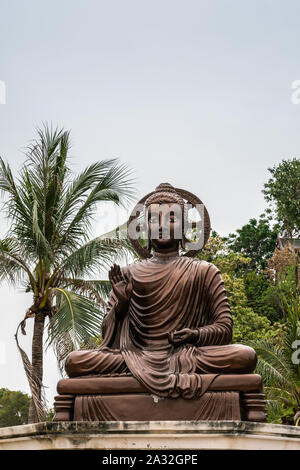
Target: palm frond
{"points": [[14, 206], [14, 264], [103, 181], [96, 255], [272, 364], [77, 316], [118, 233], [10, 270], [278, 392], [42, 152], [33, 200], [43, 248], [96, 290], [62, 346]]}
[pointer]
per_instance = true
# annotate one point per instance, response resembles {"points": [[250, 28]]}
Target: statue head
{"points": [[167, 197], [165, 217]]}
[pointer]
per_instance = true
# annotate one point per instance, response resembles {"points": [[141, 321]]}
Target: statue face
{"points": [[165, 225]]}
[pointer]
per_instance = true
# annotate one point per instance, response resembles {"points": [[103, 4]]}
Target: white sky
{"points": [[195, 93]]}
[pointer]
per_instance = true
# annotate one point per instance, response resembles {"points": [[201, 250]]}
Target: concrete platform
{"points": [[162, 435]]}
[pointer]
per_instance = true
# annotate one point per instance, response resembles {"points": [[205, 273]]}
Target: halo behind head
{"points": [[166, 193]]}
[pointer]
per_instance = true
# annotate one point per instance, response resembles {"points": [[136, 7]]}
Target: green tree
{"points": [[216, 251], [282, 191], [247, 324], [263, 295], [48, 250], [255, 240], [14, 407]]}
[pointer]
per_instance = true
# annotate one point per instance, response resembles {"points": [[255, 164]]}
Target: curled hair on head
{"points": [[164, 193]]}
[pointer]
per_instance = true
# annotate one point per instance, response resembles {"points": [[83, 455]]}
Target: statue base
{"points": [[161, 435], [123, 398]]}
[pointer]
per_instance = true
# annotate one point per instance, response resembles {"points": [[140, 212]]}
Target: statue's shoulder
{"points": [[129, 268], [205, 266], [126, 269]]}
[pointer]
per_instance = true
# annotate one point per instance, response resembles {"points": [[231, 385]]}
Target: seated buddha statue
{"points": [[168, 321]]}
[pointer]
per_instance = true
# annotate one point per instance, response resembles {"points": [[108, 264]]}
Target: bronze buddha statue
{"points": [[168, 327]]}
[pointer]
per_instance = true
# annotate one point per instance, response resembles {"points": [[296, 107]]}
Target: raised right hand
{"points": [[121, 288]]}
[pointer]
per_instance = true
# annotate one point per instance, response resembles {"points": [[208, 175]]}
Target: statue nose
{"points": [[163, 222]]}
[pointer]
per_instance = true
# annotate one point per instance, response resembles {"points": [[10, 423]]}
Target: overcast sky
{"points": [[194, 93]]}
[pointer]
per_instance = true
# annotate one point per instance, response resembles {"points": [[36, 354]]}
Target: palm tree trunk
{"points": [[37, 358]]}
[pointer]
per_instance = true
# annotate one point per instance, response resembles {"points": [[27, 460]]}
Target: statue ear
{"points": [[149, 245], [182, 241]]}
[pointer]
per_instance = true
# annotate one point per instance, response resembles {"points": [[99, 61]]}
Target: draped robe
{"points": [[168, 294]]}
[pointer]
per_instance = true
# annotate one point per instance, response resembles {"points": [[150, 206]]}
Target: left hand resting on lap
{"points": [[183, 336]]}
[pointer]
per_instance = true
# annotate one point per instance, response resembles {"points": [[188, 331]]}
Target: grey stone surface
{"points": [[150, 435]]}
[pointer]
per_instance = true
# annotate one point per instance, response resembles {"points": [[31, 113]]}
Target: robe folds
{"points": [[168, 295]]}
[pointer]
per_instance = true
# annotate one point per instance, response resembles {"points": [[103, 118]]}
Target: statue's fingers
{"points": [[177, 341], [178, 334], [115, 269], [116, 272], [119, 273], [111, 274], [171, 337]]}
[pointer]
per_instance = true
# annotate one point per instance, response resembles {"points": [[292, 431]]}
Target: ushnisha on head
{"points": [[165, 201]]}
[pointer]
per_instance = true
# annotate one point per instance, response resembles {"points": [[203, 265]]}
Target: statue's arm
{"points": [[110, 329], [217, 311], [115, 313], [110, 316]]}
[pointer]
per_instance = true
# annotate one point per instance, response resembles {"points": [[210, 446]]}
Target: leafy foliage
{"points": [[255, 240], [282, 191], [247, 324], [216, 251], [14, 407], [279, 363]]}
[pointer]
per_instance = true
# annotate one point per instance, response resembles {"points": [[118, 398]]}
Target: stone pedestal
{"points": [[163, 435]]}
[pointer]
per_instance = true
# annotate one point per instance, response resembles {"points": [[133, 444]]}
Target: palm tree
{"points": [[47, 249], [279, 364]]}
